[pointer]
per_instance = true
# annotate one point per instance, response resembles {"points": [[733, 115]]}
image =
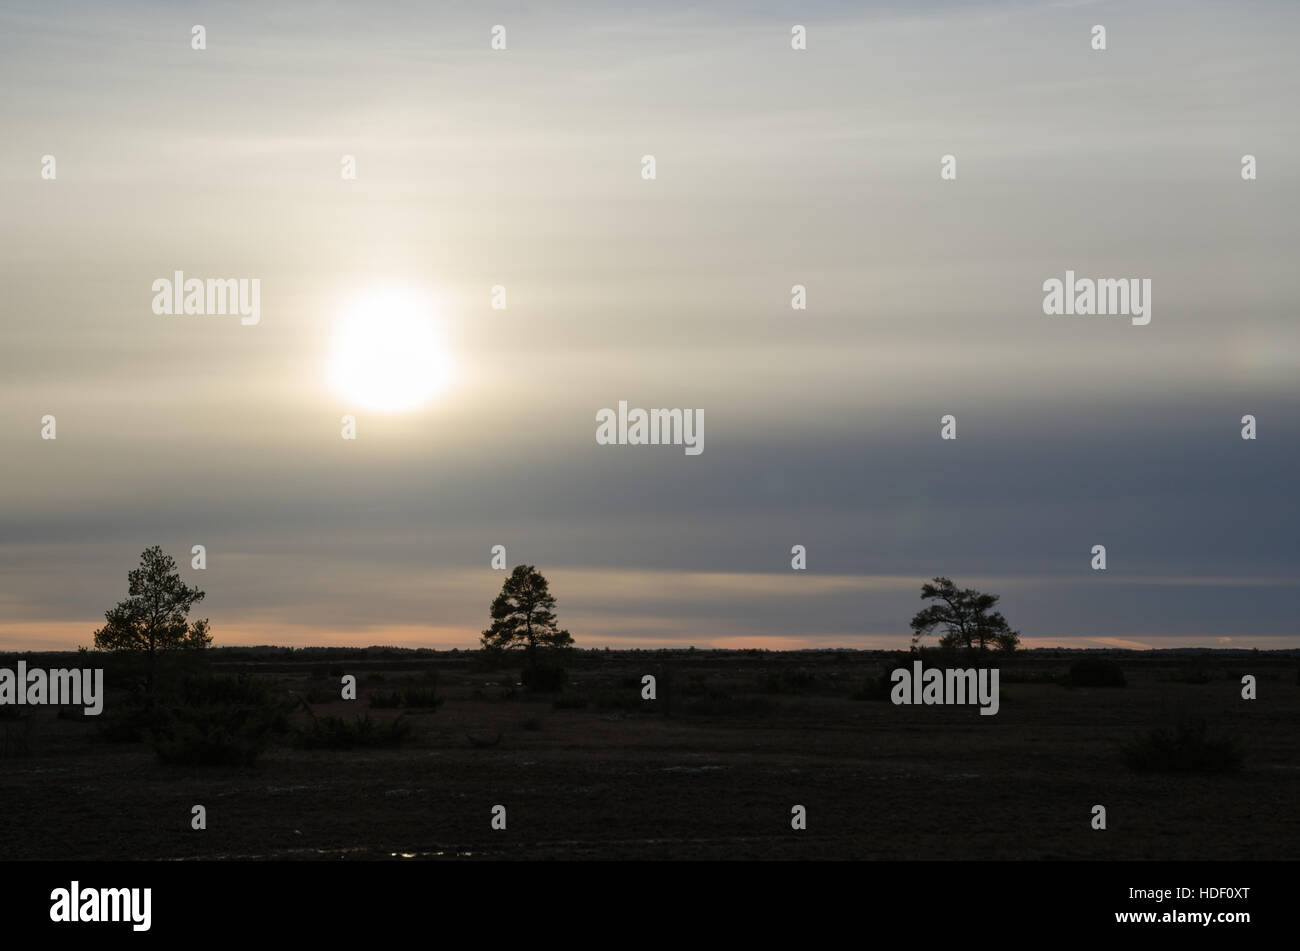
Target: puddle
{"points": [[429, 855]]}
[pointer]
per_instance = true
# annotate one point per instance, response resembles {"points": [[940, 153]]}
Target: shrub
{"points": [[696, 686], [719, 703], [327, 694], [1196, 671], [1185, 749], [628, 701], [544, 678], [787, 681], [943, 655], [338, 733], [411, 698], [876, 688], [215, 720], [1096, 672], [168, 668], [424, 698], [1014, 676], [491, 658], [127, 720], [16, 733]]}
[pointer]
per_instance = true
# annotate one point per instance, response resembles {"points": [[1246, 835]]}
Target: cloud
{"points": [[775, 169], [1119, 642]]}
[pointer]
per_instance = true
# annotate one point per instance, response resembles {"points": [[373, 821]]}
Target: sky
{"points": [[523, 168]]}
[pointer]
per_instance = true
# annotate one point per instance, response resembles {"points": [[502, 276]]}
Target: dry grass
{"points": [[750, 735]]}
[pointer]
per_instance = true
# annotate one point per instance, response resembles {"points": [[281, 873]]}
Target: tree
{"points": [[522, 616], [966, 617], [154, 615]]}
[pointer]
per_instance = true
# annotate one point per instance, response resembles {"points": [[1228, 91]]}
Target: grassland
{"points": [[708, 770]]}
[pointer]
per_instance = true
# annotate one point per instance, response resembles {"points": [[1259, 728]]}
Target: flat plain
{"points": [[710, 769]]}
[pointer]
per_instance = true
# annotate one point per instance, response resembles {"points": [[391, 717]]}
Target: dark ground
{"points": [[749, 735]]}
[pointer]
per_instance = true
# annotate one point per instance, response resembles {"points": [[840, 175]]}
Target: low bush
{"points": [[627, 701], [1014, 676], [1195, 671], [326, 693], [126, 720], [339, 733], [877, 687], [1095, 672], [544, 678], [787, 681], [422, 698], [720, 703], [1188, 748], [410, 698], [215, 720], [16, 730]]}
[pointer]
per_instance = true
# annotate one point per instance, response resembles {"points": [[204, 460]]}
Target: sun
{"points": [[388, 353]]}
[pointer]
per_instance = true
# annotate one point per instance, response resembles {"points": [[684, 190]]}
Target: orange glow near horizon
{"points": [[69, 635]]}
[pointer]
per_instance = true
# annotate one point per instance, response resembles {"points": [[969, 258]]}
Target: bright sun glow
{"points": [[388, 353]]}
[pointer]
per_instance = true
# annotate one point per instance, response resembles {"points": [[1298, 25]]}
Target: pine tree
{"points": [[522, 616], [966, 616], [153, 617]]}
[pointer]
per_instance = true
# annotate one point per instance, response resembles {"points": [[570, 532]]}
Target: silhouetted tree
{"points": [[154, 615], [522, 616], [966, 617]]}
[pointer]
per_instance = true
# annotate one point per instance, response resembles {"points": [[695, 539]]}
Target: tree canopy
{"points": [[154, 615], [523, 616], [966, 617]]}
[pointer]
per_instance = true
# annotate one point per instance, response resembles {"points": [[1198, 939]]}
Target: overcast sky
{"points": [[774, 167]]}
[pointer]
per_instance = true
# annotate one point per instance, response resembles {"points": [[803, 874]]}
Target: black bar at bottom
{"points": [[585, 900]]}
